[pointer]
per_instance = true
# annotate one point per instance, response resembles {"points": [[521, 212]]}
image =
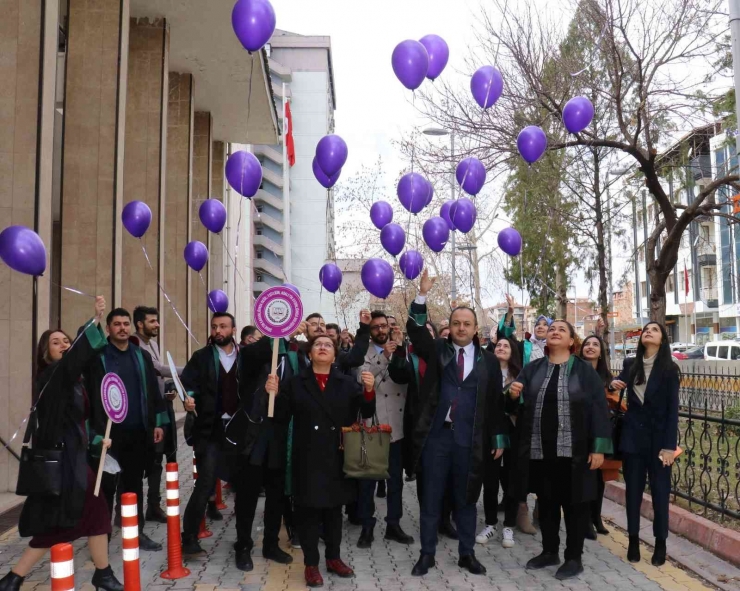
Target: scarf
{"points": [[564, 440], [639, 389], [538, 348]]}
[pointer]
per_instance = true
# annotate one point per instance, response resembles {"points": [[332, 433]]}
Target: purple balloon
{"points": [[325, 181], [136, 217], [471, 174], [578, 114], [410, 63], [331, 154], [532, 143], [381, 214], [253, 22], [510, 241], [377, 277], [430, 193], [23, 250], [292, 287], [412, 192], [244, 173], [486, 85], [438, 53], [436, 233], [330, 277], [212, 215], [218, 301], [463, 214], [444, 213], [411, 263], [393, 238], [196, 255]]}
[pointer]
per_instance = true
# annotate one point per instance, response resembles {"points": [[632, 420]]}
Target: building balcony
{"points": [[710, 296], [271, 245], [266, 220], [268, 267], [707, 260], [265, 197], [272, 177], [259, 286], [269, 152], [284, 72], [277, 90]]}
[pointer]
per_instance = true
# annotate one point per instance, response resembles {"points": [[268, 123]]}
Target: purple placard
{"points": [[115, 400], [278, 312]]}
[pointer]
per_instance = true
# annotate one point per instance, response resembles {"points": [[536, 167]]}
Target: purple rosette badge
{"points": [[115, 400], [278, 312]]}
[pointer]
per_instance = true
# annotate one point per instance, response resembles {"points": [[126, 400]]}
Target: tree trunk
{"points": [[561, 287], [657, 303]]}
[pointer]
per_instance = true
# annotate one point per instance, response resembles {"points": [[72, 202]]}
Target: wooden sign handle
{"points": [[102, 459], [273, 370]]}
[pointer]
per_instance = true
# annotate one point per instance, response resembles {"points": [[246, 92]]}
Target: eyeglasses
{"points": [[326, 346], [379, 327]]}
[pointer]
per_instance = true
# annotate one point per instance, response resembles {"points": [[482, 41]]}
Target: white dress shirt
{"points": [[227, 359], [468, 360]]}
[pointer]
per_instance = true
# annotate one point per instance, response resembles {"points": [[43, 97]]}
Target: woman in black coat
{"points": [[649, 434], [321, 400], [62, 410], [564, 434]]}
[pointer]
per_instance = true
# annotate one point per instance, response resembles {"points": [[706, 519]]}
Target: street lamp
{"points": [[617, 172], [439, 132]]}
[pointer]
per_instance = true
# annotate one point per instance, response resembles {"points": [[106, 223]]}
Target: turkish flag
{"points": [[290, 145]]}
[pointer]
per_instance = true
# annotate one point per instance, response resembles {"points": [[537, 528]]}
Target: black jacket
{"points": [[491, 425], [651, 426], [404, 369], [318, 478]]}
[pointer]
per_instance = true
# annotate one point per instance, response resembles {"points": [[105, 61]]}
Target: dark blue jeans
{"points": [[443, 459], [366, 499], [636, 468]]}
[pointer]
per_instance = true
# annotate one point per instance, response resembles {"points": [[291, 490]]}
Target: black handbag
{"points": [[40, 470], [617, 419]]}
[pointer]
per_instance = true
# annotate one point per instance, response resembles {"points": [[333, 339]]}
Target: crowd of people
{"points": [[531, 417]]}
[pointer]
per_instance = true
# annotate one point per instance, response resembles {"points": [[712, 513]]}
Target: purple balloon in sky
{"points": [[411, 263], [410, 62], [463, 214], [23, 250], [436, 233], [244, 173], [438, 52], [413, 191], [196, 255], [578, 114], [531, 143], [444, 213], [510, 241], [331, 154], [325, 181], [330, 277], [471, 174], [212, 215], [218, 301], [292, 288], [377, 277], [486, 85], [253, 22], [381, 214], [393, 238], [136, 217]]}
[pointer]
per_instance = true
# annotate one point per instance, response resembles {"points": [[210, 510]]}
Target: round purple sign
{"points": [[115, 400], [278, 312]]}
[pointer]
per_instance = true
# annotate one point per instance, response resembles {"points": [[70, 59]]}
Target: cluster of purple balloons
{"points": [[253, 22], [413, 61], [331, 155], [23, 250]]}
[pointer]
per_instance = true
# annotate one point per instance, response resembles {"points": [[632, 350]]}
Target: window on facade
{"points": [[641, 254], [643, 289], [259, 254], [260, 208], [669, 286], [258, 232], [258, 278]]}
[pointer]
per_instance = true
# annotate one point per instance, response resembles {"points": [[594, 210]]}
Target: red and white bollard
{"points": [[62, 568], [130, 542], [203, 531], [220, 505], [175, 569]]}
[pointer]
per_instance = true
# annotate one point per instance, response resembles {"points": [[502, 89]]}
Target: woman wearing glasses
{"points": [[321, 400]]}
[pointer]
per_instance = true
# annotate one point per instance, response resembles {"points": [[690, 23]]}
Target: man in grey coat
{"points": [[390, 405]]}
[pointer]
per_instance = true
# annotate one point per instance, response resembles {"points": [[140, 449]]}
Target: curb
{"points": [[720, 541]]}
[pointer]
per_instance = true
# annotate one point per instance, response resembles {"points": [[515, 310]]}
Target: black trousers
{"points": [[207, 455], [598, 502], [636, 467], [552, 483], [496, 472], [310, 522], [248, 481]]}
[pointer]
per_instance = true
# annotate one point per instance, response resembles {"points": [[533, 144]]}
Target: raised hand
{"points": [[426, 283], [515, 390], [300, 330], [368, 380], [365, 317], [99, 308], [389, 348], [510, 304]]}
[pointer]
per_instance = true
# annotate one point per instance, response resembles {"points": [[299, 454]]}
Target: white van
{"points": [[722, 350]]}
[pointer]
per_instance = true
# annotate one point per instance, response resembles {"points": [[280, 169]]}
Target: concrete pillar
{"points": [[202, 138], [92, 175], [144, 166], [215, 244], [173, 336]]}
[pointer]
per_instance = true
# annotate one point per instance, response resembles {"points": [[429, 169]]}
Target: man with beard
{"points": [[146, 321], [211, 379], [390, 406], [250, 335]]}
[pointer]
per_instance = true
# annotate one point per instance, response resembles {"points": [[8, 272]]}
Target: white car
{"points": [[722, 350]]}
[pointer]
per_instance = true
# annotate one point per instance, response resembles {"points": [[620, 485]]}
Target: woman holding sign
{"points": [[61, 413], [321, 400]]}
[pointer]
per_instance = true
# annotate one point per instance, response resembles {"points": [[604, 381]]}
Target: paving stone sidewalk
{"points": [[386, 566]]}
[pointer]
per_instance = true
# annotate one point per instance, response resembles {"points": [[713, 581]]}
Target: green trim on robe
{"points": [[500, 442], [603, 445]]}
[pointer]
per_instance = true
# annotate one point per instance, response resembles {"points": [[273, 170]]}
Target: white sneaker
{"points": [[486, 535], [507, 538]]}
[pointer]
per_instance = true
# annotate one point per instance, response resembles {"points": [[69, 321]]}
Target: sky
{"points": [[373, 107]]}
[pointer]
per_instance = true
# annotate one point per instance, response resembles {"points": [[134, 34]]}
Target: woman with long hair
{"points": [[62, 409], [564, 433], [649, 434], [594, 351], [499, 471]]}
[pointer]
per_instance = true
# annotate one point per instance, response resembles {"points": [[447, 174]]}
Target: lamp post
{"points": [[613, 172], [439, 132]]}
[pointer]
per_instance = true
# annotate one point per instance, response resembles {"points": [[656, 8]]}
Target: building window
{"points": [[258, 232], [643, 289], [259, 254], [260, 208], [641, 254], [669, 286], [258, 278]]}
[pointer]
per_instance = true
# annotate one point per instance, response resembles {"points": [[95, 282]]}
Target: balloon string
{"points": [[166, 297], [236, 248], [77, 291], [593, 58], [208, 295], [230, 257]]}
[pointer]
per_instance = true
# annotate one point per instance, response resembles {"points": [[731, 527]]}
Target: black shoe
{"points": [[470, 562], [410, 477], [599, 526], [11, 582], [633, 550], [155, 513], [366, 537], [447, 529], [570, 569], [146, 543], [212, 513], [354, 520], [381, 489], [501, 508], [422, 566], [543, 560], [394, 532], [659, 553], [191, 547], [590, 532], [106, 580], [295, 542], [274, 553], [244, 559]]}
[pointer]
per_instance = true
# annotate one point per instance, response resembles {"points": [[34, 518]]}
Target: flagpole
{"points": [[287, 262]]}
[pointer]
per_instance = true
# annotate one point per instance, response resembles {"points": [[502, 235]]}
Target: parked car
{"points": [[692, 353], [680, 347], [722, 350]]}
